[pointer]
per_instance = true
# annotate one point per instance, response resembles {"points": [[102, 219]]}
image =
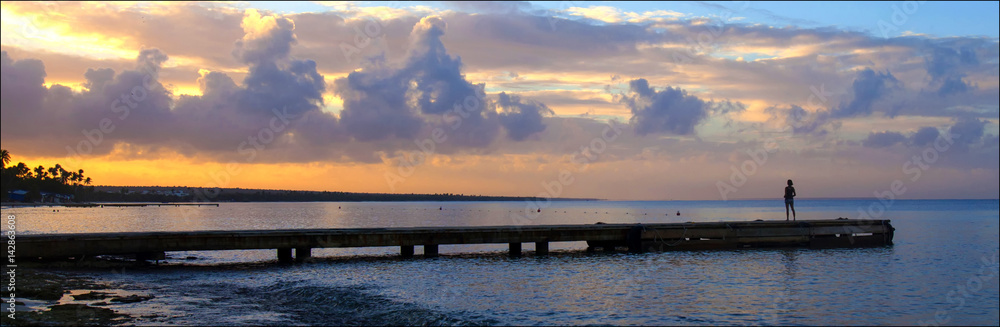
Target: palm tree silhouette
{"points": [[40, 172], [5, 156]]}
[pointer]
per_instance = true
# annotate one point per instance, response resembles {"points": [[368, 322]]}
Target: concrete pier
{"points": [[302, 253], [406, 251], [609, 237], [285, 254], [430, 250], [515, 249], [541, 248]]}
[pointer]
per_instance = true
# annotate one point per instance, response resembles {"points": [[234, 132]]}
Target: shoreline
{"points": [[62, 294], [49, 298]]}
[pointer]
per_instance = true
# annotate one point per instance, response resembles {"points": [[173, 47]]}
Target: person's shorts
{"points": [[789, 201]]}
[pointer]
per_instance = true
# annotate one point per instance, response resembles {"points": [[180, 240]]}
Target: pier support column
{"points": [[285, 255], [634, 239], [301, 254], [541, 248], [406, 251], [430, 250], [515, 249]]}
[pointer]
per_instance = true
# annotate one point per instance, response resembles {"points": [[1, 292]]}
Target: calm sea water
{"points": [[941, 270]]}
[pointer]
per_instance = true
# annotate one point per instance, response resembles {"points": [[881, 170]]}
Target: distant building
{"points": [[56, 197], [17, 195]]}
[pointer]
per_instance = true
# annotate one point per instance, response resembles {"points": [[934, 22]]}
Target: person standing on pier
{"points": [[789, 200]]}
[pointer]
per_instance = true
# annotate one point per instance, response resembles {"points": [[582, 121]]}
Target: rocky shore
{"points": [[48, 298]]}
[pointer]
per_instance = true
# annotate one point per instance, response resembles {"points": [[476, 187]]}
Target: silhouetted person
{"points": [[789, 200]]}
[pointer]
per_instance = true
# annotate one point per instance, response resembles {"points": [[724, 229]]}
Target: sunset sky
{"points": [[623, 101]]}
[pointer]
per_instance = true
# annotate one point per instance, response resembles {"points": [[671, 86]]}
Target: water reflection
{"points": [[939, 246]]}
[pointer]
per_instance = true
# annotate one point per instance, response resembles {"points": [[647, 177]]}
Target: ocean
{"points": [[942, 269]]}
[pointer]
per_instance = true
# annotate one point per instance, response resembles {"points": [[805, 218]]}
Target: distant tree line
{"points": [[296, 196], [288, 196], [41, 180]]}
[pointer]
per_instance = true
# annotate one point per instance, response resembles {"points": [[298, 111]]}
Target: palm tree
{"points": [[63, 174], [5, 157], [22, 170]]}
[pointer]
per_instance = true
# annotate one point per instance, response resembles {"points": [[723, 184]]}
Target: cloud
{"points": [[520, 118], [410, 90], [967, 132], [945, 61], [954, 85], [883, 139], [800, 120], [438, 76], [383, 101], [869, 86], [671, 110], [143, 112], [947, 67], [22, 85], [614, 15], [97, 78], [924, 136], [265, 38], [429, 89], [964, 132], [275, 81], [29, 107]]}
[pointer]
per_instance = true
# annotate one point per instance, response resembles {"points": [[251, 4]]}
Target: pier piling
{"points": [[430, 250], [285, 255], [302, 253], [515, 249], [541, 248], [406, 251]]}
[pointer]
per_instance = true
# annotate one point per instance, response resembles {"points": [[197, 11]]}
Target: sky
{"points": [[609, 100]]}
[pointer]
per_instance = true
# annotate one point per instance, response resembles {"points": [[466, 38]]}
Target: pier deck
{"points": [[636, 237]]}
